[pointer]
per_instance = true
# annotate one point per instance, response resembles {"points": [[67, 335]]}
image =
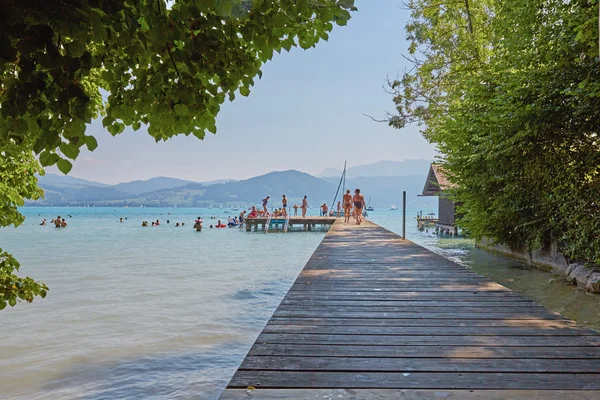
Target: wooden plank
{"points": [[531, 310], [441, 364], [378, 295], [407, 314], [446, 322], [407, 394], [427, 330], [397, 287], [405, 303], [391, 340], [414, 380], [365, 273], [385, 351]]}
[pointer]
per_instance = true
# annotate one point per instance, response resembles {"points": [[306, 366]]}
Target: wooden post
{"points": [[404, 215]]}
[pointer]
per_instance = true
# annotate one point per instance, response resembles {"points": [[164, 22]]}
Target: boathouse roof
{"points": [[437, 181]]}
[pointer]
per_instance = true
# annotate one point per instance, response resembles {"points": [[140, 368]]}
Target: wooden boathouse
{"points": [[372, 316], [435, 185]]}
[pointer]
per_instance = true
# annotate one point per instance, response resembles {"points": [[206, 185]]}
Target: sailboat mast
{"points": [[342, 180], [344, 177]]}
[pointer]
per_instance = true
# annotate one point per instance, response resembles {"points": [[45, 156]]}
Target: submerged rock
{"points": [[593, 283], [579, 275], [571, 279]]}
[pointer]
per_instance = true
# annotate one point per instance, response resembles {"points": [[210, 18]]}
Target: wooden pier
{"points": [[308, 223], [372, 316]]}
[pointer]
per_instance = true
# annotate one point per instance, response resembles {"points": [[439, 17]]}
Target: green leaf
{"points": [[64, 166], [107, 121], [69, 150], [181, 110], [12, 302], [245, 91], [2, 304], [136, 125], [45, 158], [224, 8], [91, 143]]}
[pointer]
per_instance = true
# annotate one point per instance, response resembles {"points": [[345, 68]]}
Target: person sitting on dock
{"points": [[253, 213], [264, 203]]}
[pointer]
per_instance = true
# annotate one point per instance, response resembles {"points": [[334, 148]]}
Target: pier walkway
{"points": [[373, 316]]}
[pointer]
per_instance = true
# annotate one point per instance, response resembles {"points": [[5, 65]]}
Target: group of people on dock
{"points": [[353, 205], [281, 212]]}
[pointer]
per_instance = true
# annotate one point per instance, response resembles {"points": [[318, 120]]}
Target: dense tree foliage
{"points": [[166, 65], [510, 94]]}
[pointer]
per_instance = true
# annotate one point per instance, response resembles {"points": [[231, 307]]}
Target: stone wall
{"points": [[550, 260]]}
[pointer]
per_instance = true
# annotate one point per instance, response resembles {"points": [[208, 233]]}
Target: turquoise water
{"points": [[166, 312]]}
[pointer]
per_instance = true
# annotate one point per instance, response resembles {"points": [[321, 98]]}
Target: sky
{"points": [[306, 113]]}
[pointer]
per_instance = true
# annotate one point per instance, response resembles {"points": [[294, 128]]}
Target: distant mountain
{"points": [[65, 180], [382, 168], [150, 185], [82, 195], [293, 184]]}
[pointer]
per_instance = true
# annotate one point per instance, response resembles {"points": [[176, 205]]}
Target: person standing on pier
{"points": [[359, 204], [295, 210], [284, 204], [265, 201], [347, 205], [339, 208], [304, 206]]}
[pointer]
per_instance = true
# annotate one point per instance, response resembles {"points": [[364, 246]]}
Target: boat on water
{"points": [[370, 209], [393, 207]]}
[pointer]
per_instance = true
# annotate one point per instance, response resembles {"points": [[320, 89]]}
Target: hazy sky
{"points": [[306, 113]]}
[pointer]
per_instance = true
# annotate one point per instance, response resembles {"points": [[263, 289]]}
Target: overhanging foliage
{"points": [[166, 67], [509, 92]]}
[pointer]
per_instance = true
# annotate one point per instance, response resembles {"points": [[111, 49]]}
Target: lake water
{"points": [[166, 312]]}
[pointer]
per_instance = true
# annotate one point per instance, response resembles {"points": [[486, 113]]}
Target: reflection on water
{"points": [[167, 312]]}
